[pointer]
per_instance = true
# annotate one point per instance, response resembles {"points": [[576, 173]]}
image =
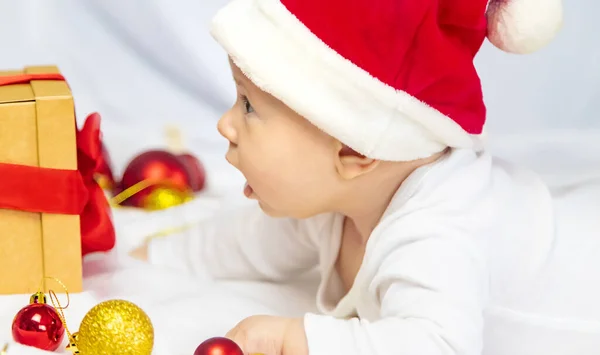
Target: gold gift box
{"points": [[38, 128]]}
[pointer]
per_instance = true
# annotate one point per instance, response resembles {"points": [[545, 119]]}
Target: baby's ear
{"points": [[351, 164]]}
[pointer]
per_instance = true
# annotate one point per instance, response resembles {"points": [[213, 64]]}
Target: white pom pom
{"points": [[523, 26]]}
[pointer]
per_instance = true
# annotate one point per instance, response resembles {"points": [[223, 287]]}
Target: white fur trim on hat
{"points": [[523, 26], [282, 57]]}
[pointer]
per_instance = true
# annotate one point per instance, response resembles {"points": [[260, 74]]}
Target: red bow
{"points": [[62, 191], [97, 231]]}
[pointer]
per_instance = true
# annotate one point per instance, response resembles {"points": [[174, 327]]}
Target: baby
{"points": [[358, 126]]}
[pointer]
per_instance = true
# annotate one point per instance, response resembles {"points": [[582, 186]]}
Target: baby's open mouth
{"points": [[248, 190]]}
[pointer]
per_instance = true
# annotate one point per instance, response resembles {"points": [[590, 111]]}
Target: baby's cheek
{"points": [[281, 191], [276, 179]]}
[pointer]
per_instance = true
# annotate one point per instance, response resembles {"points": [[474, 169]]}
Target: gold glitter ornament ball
{"points": [[115, 327], [162, 198]]}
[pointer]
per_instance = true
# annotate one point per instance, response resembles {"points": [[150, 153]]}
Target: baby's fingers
{"points": [[253, 343]]}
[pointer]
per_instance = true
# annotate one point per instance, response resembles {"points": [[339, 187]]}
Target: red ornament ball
{"points": [[218, 346], [161, 168], [196, 171], [38, 325]]}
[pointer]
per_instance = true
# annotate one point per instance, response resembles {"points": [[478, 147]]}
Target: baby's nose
{"points": [[226, 128]]}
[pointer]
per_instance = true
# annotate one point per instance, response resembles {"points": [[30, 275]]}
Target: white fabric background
{"points": [[146, 63]]}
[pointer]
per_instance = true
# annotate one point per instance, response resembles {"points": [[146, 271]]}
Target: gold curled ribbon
{"points": [[4, 350], [118, 199], [56, 303], [168, 231]]}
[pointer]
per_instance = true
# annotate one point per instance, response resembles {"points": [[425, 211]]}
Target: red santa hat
{"points": [[391, 79]]}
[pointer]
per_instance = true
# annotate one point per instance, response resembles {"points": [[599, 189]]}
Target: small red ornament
{"points": [[38, 325], [218, 346], [158, 167], [196, 171]]}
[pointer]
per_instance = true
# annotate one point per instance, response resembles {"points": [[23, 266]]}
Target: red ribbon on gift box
{"points": [[63, 191]]}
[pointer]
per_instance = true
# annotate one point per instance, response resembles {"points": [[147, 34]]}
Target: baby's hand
{"points": [[140, 253], [270, 335]]}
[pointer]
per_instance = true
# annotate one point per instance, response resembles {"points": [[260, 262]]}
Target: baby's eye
{"points": [[247, 105]]}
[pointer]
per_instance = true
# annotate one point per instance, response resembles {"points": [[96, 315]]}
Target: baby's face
{"points": [[288, 163]]}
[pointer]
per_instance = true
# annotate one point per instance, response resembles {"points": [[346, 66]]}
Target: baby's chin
{"points": [[278, 213], [271, 212]]}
